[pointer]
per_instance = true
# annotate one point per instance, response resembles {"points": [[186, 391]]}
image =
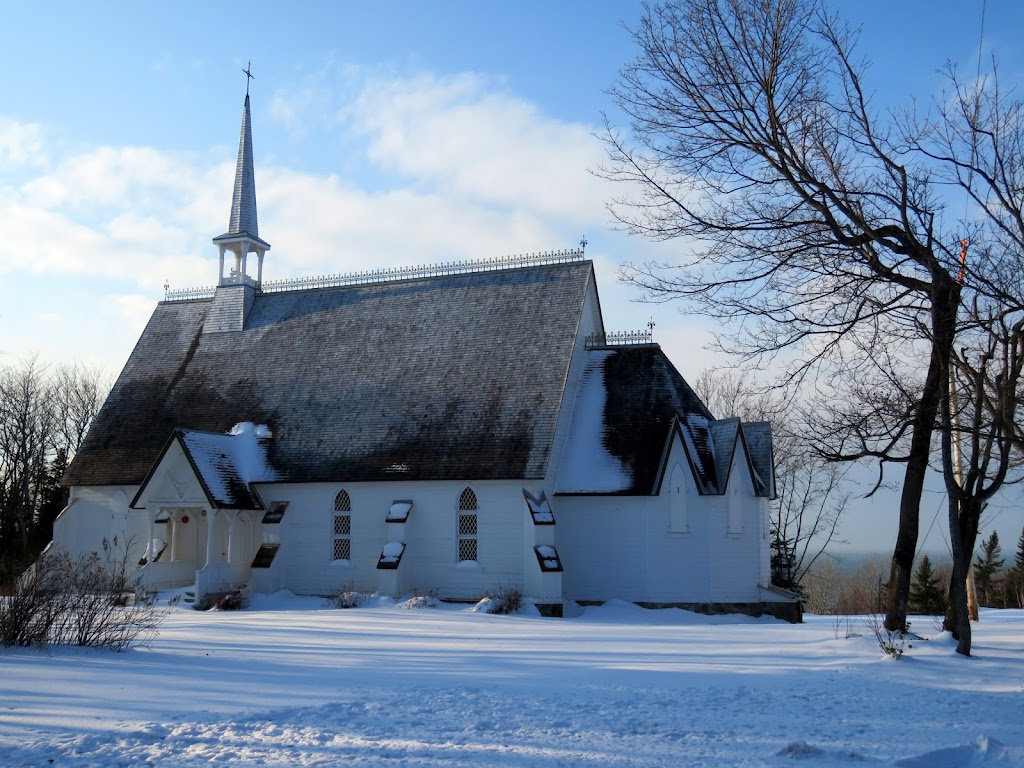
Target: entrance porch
{"points": [[209, 549]]}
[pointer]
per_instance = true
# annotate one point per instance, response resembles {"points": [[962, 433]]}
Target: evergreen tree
{"points": [[985, 568], [53, 498], [1013, 584], [783, 563], [926, 593]]}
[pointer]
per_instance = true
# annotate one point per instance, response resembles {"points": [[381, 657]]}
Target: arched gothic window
{"points": [[467, 525], [342, 502], [342, 548]]}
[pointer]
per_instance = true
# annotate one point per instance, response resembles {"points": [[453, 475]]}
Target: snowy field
{"points": [[291, 683]]}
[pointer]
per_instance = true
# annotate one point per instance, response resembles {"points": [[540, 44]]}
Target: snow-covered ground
{"points": [[289, 682]]}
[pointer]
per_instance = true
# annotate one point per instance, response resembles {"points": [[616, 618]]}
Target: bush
{"points": [[505, 600], [232, 601], [26, 614], [86, 601], [348, 597], [425, 600], [892, 643]]}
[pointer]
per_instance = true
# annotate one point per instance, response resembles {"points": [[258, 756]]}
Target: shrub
{"points": [[347, 597], [26, 614], [232, 601], [892, 642], [842, 626], [505, 600], [86, 601], [425, 600]]}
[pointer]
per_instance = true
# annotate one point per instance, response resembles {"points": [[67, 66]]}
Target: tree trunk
{"points": [[945, 300], [902, 569], [969, 519], [972, 593], [958, 594]]}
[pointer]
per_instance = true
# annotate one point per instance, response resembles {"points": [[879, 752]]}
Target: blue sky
{"points": [[385, 134]]}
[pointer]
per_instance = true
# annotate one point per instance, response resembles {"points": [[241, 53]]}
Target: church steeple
{"points": [[243, 201], [242, 236]]}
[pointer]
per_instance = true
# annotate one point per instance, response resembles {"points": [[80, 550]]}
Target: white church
{"points": [[453, 429]]}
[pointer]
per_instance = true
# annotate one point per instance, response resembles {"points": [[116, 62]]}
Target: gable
{"points": [[217, 470], [172, 482], [435, 378]]}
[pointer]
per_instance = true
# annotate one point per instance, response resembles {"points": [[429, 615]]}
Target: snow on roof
{"points": [[229, 463], [627, 403], [644, 396], [588, 466]]}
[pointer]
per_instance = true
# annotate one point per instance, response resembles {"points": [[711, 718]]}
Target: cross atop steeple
{"points": [[248, 76]]}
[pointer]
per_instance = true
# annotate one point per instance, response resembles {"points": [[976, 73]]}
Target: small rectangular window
{"points": [[276, 512]]}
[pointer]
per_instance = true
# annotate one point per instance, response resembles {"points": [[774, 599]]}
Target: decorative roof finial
{"points": [[583, 243], [248, 76]]}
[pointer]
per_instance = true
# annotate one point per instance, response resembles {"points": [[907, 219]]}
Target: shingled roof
{"points": [[640, 396], [457, 376], [630, 403]]}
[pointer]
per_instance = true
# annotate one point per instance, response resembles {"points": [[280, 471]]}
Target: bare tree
{"points": [[811, 492], [44, 416], [79, 392], [26, 434], [975, 137], [980, 429], [817, 230]]}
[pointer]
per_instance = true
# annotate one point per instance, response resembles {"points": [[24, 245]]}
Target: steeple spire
{"points": [[242, 236], [243, 201]]}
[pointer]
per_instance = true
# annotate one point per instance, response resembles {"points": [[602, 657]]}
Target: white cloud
{"points": [[133, 308], [20, 143], [475, 142], [119, 176], [325, 226], [469, 172]]}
